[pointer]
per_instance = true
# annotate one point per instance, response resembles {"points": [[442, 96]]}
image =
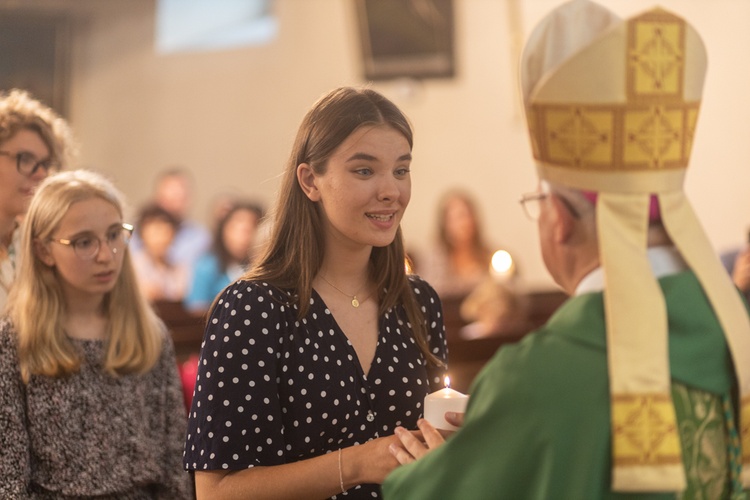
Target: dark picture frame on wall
{"points": [[406, 38], [35, 56]]}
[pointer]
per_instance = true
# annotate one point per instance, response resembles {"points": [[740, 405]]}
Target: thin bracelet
{"points": [[341, 474]]}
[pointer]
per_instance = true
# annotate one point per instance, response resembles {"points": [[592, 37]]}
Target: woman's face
{"points": [[85, 279], [16, 190], [460, 226], [157, 236], [365, 189], [239, 233]]}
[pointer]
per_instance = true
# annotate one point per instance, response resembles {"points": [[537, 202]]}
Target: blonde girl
{"points": [[89, 392]]}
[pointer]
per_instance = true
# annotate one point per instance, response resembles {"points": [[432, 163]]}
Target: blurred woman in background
{"points": [[230, 255], [34, 141], [460, 260]]}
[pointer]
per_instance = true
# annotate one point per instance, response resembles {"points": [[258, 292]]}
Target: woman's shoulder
{"points": [[254, 287], [421, 286], [245, 295]]}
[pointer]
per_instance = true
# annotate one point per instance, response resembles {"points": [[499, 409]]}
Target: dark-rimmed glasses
{"points": [[27, 164], [87, 245]]}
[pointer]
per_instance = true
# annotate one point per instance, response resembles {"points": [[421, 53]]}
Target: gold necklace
{"points": [[355, 302]]}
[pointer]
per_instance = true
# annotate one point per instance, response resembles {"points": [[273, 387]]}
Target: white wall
{"points": [[231, 116]]}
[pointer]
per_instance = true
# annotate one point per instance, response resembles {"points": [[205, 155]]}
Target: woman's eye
{"points": [[26, 158], [83, 242], [401, 172], [363, 171], [113, 235]]}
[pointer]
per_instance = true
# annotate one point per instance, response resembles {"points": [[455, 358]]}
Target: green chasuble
{"points": [[538, 421]]}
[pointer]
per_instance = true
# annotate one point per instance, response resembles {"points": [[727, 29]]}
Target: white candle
{"points": [[439, 402]]}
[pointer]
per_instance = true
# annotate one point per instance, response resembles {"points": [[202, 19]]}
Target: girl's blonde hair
{"points": [[36, 303]]}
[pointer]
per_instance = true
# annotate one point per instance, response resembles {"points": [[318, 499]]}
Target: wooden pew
{"points": [[186, 327], [467, 357]]}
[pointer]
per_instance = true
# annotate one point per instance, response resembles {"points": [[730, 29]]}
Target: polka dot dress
{"points": [[272, 389]]}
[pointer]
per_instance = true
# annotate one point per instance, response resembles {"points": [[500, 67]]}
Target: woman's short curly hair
{"points": [[19, 111]]}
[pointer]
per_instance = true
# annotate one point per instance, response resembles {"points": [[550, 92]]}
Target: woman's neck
{"points": [[346, 266], [87, 323]]}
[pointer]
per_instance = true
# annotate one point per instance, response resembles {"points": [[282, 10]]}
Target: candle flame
{"points": [[447, 382]]}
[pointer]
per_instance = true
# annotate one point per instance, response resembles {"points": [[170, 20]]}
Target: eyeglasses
{"points": [[530, 203], [27, 164], [87, 245]]}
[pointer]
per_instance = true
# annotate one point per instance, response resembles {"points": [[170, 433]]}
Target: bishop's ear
{"points": [[564, 218], [306, 178]]}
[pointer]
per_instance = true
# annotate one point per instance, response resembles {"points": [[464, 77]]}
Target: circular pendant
{"points": [[355, 302], [370, 416]]}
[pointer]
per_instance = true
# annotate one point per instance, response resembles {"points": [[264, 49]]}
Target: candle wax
{"points": [[439, 402]]}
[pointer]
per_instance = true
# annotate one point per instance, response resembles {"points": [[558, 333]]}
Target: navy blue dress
{"points": [[273, 390]]}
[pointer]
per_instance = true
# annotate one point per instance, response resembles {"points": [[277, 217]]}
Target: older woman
{"points": [[34, 140]]}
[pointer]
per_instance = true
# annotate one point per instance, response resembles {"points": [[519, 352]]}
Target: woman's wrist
{"points": [[350, 468]]}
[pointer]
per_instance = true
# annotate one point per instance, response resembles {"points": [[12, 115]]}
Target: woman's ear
{"points": [[306, 179], [42, 252]]}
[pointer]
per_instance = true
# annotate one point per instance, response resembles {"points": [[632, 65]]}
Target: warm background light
{"points": [[502, 262]]}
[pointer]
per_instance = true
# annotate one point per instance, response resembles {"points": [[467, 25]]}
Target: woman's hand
{"points": [[410, 447], [369, 462]]}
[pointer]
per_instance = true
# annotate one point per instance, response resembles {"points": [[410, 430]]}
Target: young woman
{"points": [[317, 354], [34, 141], [90, 400], [461, 259], [230, 255]]}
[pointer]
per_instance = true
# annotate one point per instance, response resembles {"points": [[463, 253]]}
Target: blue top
{"points": [[208, 281]]}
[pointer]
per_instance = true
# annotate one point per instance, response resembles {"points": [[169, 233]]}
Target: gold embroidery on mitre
{"points": [[644, 430], [745, 429], [655, 138], [613, 137], [656, 57], [579, 136]]}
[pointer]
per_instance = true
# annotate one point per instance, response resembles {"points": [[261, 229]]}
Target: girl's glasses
{"points": [[87, 245]]}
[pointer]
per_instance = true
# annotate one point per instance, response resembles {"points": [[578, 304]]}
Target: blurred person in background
{"points": [[158, 277], [173, 193], [737, 264], [231, 254], [460, 259], [34, 141]]}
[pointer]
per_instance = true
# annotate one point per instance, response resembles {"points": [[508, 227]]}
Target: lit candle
{"points": [[502, 265], [439, 402]]}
